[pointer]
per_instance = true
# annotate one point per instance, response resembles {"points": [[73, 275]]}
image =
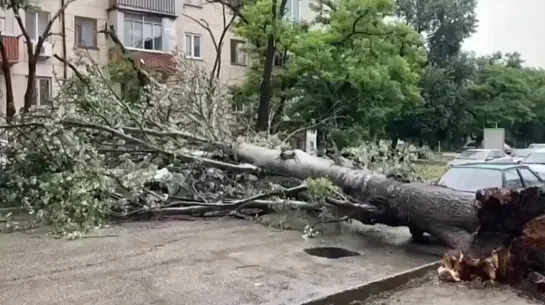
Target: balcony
{"points": [[150, 61], [11, 43], [161, 7]]}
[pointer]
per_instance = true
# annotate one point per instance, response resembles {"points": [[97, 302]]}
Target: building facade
{"points": [[150, 29]]}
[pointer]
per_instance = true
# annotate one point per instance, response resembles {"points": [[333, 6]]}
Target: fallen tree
{"points": [[445, 214], [104, 150]]}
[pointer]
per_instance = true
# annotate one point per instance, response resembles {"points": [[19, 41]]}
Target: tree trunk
{"points": [[10, 102], [265, 87], [445, 214], [29, 93]]}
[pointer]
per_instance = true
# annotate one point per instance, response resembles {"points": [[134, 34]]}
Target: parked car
{"points": [[475, 176], [481, 155], [519, 154], [536, 161], [473, 144], [537, 146]]}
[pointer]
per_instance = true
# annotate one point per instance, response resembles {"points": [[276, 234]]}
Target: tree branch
{"points": [[73, 68], [356, 32], [143, 79]]}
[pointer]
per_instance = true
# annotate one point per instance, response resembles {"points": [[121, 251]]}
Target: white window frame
{"points": [[37, 30], [289, 7], [238, 43], [143, 21], [195, 3], [85, 21], [38, 101], [192, 38]]}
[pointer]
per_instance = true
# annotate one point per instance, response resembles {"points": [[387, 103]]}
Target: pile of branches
{"points": [[509, 245], [175, 150]]}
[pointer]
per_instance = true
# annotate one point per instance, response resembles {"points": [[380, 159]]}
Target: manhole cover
{"points": [[330, 252]]}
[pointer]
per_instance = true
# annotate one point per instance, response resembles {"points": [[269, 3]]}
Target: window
{"points": [[193, 2], [35, 24], [238, 54], [193, 46], [529, 178], [42, 92], [280, 60], [293, 11], [473, 154], [85, 32], [143, 32], [495, 154], [471, 179], [535, 157], [512, 179]]}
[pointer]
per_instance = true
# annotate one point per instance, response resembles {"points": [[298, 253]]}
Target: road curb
{"points": [[373, 288]]}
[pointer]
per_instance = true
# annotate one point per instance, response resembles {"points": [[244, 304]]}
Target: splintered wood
{"points": [[508, 246]]}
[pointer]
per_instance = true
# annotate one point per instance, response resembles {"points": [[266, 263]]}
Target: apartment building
{"points": [[150, 29]]}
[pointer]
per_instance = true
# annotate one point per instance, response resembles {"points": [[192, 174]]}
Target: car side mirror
{"points": [[488, 159]]}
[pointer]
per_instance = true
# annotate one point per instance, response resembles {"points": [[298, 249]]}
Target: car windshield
{"points": [[521, 153], [535, 157], [471, 179], [473, 155], [536, 145]]}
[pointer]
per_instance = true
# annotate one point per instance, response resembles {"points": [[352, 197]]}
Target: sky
{"points": [[509, 26]]}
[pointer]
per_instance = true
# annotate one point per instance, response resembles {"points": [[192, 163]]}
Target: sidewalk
{"points": [[195, 262]]}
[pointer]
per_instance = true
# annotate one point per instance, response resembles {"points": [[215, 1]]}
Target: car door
{"points": [[529, 178], [512, 179]]}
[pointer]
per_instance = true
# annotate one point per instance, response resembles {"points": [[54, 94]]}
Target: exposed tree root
{"points": [[509, 246]]}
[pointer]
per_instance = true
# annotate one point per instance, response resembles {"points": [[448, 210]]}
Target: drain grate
{"points": [[330, 252]]}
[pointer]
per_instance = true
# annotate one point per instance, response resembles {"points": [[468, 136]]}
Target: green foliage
{"points": [[73, 169], [321, 188], [55, 176], [381, 158], [121, 72], [353, 65], [447, 23]]}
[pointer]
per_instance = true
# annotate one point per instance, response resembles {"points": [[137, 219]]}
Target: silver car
{"points": [[519, 154], [537, 146], [536, 161], [481, 155]]}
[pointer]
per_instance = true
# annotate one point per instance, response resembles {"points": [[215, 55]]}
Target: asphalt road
{"points": [[199, 262]]}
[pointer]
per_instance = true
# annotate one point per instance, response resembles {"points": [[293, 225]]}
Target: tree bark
{"points": [[6, 69], [265, 87], [445, 214]]}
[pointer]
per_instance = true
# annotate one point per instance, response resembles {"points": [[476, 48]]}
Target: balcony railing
{"points": [[11, 43], [163, 7], [151, 61]]}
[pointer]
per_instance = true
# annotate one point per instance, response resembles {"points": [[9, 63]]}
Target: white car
{"points": [[536, 161], [481, 155], [536, 146], [519, 154]]}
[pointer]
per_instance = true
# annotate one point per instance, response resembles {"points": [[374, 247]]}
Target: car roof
{"points": [[490, 165], [481, 149]]}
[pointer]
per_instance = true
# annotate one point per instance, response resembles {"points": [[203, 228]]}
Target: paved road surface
{"points": [[440, 293], [201, 262]]}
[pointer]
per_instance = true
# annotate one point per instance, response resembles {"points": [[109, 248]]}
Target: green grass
{"points": [[431, 171]]}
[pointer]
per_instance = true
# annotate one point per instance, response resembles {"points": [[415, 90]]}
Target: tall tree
{"points": [[357, 68], [446, 24]]}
